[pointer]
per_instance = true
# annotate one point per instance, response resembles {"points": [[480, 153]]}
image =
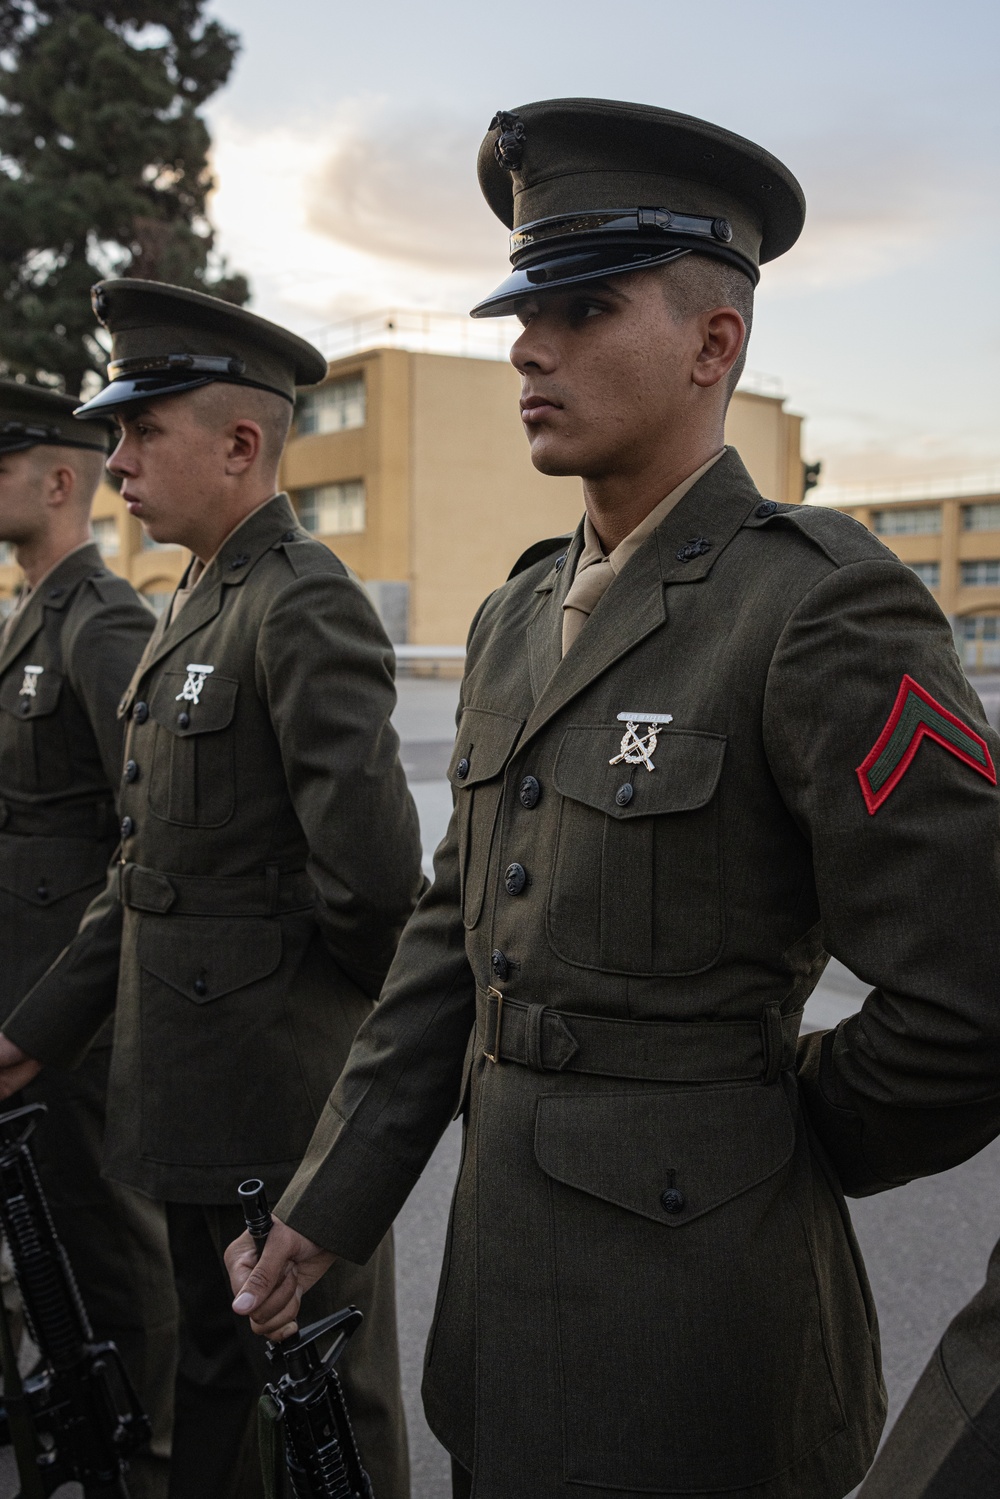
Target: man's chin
{"points": [[555, 460]]}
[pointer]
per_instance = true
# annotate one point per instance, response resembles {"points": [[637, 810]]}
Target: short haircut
{"points": [[86, 463], [221, 402], [699, 283]]}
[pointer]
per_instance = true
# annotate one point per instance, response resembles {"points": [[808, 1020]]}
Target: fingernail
{"points": [[244, 1302]]}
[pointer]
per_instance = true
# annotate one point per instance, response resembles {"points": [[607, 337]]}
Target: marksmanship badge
{"points": [[196, 679], [637, 749], [31, 675]]}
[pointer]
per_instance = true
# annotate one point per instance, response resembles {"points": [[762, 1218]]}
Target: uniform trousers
{"points": [[223, 1365], [116, 1241]]}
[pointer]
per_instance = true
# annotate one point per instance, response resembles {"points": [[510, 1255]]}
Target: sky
{"points": [[345, 147]]}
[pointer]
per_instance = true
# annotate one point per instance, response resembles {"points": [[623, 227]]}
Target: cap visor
{"points": [[568, 270], [127, 392]]}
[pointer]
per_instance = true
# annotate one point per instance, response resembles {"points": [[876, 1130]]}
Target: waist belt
{"points": [[73, 820], [269, 893], [656, 1051]]}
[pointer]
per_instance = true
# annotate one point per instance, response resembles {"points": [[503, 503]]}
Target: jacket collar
{"points": [[55, 591], [683, 549], [232, 563]]}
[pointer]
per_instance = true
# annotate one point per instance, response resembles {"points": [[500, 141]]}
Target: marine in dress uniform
{"points": [[753, 747], [269, 858], [67, 652]]}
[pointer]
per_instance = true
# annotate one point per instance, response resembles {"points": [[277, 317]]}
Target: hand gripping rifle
{"points": [[320, 1454], [77, 1418]]}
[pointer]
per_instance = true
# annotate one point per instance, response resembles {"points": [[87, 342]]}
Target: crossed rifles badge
{"points": [[28, 686], [197, 676], [637, 749]]}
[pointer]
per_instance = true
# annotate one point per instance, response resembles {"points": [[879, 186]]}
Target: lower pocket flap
{"points": [[204, 957], [44, 870], [667, 1156]]}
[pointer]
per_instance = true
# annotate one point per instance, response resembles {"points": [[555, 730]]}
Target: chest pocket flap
{"points": [[203, 957], [213, 710], [483, 745], [687, 765], [40, 701], [671, 1157]]}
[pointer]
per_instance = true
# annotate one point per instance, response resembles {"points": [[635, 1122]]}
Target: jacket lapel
{"points": [[635, 605], [233, 562], [544, 629]]}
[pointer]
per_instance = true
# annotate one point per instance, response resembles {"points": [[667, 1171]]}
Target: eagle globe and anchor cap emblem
{"points": [[197, 676], [636, 748]]}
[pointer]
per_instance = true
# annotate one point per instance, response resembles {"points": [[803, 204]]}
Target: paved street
{"points": [[926, 1245]]}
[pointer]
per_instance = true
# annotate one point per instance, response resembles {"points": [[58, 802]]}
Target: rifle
{"points": [[319, 1453], [77, 1418]]}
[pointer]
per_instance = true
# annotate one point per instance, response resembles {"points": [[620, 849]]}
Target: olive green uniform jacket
{"points": [[66, 661], [270, 856], [651, 1284], [946, 1442]]}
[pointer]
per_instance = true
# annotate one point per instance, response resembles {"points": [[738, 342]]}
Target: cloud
{"points": [[876, 201], [402, 186]]}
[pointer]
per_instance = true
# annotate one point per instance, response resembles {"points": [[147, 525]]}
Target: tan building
{"points": [[414, 468], [951, 540]]}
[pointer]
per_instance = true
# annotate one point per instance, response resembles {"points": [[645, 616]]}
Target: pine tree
{"points": [[103, 167]]}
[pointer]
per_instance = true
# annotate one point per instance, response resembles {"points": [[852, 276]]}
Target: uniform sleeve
{"points": [[886, 761], [61, 1015], [103, 654], [325, 670], [401, 1086]]}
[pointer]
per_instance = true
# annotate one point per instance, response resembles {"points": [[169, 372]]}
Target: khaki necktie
{"points": [[592, 581]]}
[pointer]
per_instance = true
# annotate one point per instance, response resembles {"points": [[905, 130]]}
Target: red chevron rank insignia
{"points": [[916, 716]]}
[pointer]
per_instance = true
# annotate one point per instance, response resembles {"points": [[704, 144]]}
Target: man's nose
{"points": [[532, 350], [118, 464]]}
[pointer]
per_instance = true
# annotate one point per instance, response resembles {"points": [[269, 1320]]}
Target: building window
{"points": [[105, 529], [333, 509], [922, 521], [332, 408], [929, 573], [982, 574], [981, 517], [979, 638]]}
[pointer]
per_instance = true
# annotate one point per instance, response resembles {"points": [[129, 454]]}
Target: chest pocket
{"points": [[33, 744], [484, 744], [636, 879], [192, 779]]}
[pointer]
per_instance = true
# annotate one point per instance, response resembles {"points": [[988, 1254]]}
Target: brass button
{"points": [[672, 1201], [131, 771], [183, 719], [515, 878], [140, 712], [128, 827], [624, 794], [462, 768]]}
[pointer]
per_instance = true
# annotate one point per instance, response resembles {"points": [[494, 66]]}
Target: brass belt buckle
{"points": [[494, 1055]]}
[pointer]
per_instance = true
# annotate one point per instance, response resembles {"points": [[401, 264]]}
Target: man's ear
{"points": [[723, 336], [245, 442], [60, 485]]}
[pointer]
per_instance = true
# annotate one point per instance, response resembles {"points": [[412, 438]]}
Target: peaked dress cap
{"points": [[32, 417], [168, 339], [594, 187]]}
